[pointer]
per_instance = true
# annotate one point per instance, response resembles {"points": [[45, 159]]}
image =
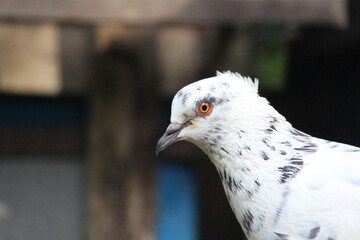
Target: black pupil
{"points": [[204, 108]]}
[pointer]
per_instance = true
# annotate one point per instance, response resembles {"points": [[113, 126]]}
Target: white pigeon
{"points": [[281, 183]]}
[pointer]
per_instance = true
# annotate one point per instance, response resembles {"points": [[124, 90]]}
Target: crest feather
{"points": [[254, 84]]}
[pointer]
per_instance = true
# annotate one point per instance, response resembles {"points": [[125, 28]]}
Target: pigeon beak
{"points": [[170, 136]]}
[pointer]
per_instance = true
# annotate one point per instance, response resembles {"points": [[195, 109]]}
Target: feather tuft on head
{"points": [[254, 84]]}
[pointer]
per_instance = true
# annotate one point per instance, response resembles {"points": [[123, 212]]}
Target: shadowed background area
{"points": [[86, 88]]}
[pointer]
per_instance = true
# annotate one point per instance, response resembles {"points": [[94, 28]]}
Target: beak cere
{"points": [[170, 136]]}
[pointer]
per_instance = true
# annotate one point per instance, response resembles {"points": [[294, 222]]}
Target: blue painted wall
{"points": [[177, 212]]}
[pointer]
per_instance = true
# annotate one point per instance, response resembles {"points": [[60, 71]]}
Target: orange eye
{"points": [[204, 107]]}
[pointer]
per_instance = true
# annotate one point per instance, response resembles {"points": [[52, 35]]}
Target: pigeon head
{"points": [[210, 110]]}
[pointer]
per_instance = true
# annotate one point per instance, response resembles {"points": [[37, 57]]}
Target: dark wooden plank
{"points": [[121, 142], [141, 12]]}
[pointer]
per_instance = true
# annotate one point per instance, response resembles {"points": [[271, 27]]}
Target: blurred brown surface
{"points": [[181, 11]]}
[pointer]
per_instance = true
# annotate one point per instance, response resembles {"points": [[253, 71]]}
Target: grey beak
{"points": [[170, 136]]}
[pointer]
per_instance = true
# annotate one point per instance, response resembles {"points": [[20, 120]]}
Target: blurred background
{"points": [[86, 88]]}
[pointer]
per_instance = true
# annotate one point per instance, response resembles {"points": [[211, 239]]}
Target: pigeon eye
{"points": [[204, 108]]}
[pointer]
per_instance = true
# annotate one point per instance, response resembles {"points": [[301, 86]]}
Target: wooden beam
{"points": [[331, 12], [121, 142]]}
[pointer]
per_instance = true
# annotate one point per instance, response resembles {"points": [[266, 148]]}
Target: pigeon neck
{"points": [[255, 196], [255, 172]]}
